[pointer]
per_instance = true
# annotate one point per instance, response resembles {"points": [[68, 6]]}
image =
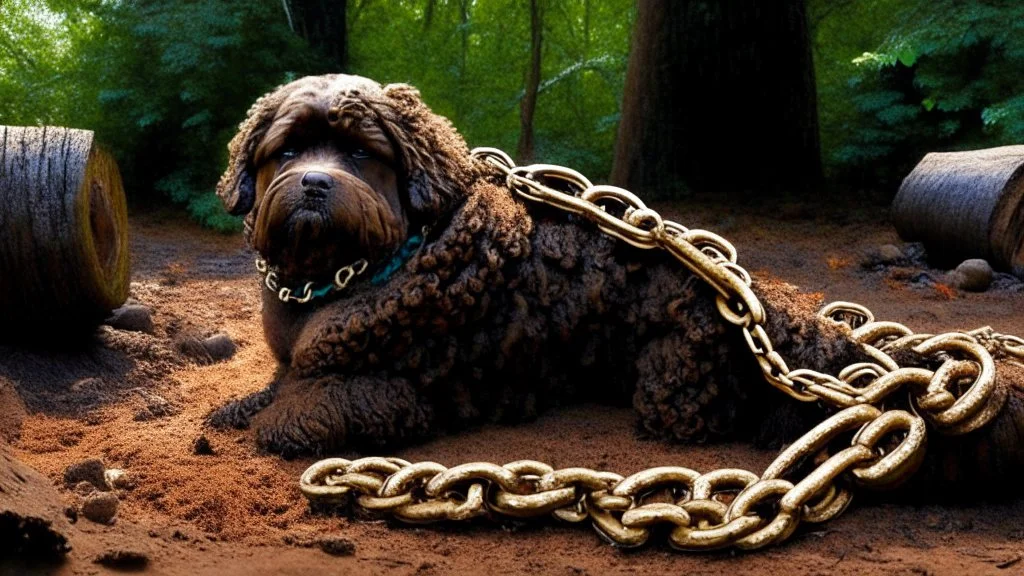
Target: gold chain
{"points": [[725, 507]]}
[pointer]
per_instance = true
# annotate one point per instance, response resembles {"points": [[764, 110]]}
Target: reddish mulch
{"points": [[139, 405]]}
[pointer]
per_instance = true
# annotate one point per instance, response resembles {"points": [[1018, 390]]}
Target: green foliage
{"points": [[469, 60], [940, 74], [35, 64], [164, 83]]}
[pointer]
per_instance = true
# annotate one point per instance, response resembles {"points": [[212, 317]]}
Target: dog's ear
{"points": [[435, 157], [237, 186]]}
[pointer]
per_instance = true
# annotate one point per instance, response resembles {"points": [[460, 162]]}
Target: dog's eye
{"points": [[288, 154], [360, 154]]}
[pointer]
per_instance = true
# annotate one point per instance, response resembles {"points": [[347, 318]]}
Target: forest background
{"points": [[806, 99]]}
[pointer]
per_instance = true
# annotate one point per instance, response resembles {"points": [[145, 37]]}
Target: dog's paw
{"points": [[305, 418], [238, 414], [311, 430], [326, 415]]}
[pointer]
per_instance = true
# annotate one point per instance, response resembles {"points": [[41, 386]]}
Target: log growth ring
{"points": [[64, 262]]}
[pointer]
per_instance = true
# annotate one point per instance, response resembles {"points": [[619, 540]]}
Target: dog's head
{"points": [[332, 169]]}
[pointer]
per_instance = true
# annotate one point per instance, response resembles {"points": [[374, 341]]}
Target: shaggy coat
{"points": [[510, 308]]}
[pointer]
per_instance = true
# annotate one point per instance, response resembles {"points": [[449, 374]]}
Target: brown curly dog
{"points": [[498, 312]]}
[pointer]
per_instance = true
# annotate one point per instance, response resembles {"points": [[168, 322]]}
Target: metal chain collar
{"points": [[342, 277], [721, 508]]}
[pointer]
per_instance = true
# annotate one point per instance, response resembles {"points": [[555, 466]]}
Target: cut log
{"points": [[966, 205], [63, 234]]}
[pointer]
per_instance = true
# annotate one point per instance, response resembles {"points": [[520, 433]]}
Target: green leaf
{"points": [[907, 56], [202, 117]]}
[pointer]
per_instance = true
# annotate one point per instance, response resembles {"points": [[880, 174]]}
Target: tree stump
{"points": [[63, 235], [966, 205]]}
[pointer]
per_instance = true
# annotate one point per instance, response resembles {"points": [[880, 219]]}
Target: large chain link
{"points": [[953, 389]]}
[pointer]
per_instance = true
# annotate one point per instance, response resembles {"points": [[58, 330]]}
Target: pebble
{"points": [[889, 253], [202, 447], [133, 318], [100, 507], [220, 347], [91, 470], [337, 546], [974, 275], [83, 489], [884, 255], [120, 559], [117, 479]]}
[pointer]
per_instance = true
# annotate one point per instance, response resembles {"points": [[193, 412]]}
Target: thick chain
{"points": [[953, 390]]}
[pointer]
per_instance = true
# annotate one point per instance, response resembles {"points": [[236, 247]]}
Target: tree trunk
{"points": [[708, 82], [528, 105], [966, 205], [63, 234], [322, 24]]}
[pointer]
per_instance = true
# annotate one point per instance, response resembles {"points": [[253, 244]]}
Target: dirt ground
{"points": [[135, 402]]}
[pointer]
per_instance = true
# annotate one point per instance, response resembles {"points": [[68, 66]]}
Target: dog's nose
{"points": [[317, 182]]}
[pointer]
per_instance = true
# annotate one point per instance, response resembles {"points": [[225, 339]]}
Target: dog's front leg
{"points": [[326, 414], [239, 413]]}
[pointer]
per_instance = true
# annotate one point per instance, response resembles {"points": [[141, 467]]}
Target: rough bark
{"points": [[966, 205], [710, 81], [63, 234], [528, 105], [322, 24]]}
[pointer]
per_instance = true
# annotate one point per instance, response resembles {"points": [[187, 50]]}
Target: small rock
{"points": [[193, 348], [100, 507], [91, 470], [974, 275], [155, 406], [889, 253], [220, 347], [202, 447], [337, 546], [134, 318], [884, 255], [123, 559], [117, 479], [83, 488]]}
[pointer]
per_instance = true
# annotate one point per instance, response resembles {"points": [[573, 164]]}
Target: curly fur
{"points": [[510, 309]]}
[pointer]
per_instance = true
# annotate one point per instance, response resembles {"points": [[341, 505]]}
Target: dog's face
{"points": [[327, 187], [333, 169]]}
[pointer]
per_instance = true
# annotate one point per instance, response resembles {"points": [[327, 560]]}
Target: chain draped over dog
{"points": [[951, 389]]}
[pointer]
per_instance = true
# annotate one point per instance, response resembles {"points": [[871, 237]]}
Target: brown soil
{"points": [[136, 402]]}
